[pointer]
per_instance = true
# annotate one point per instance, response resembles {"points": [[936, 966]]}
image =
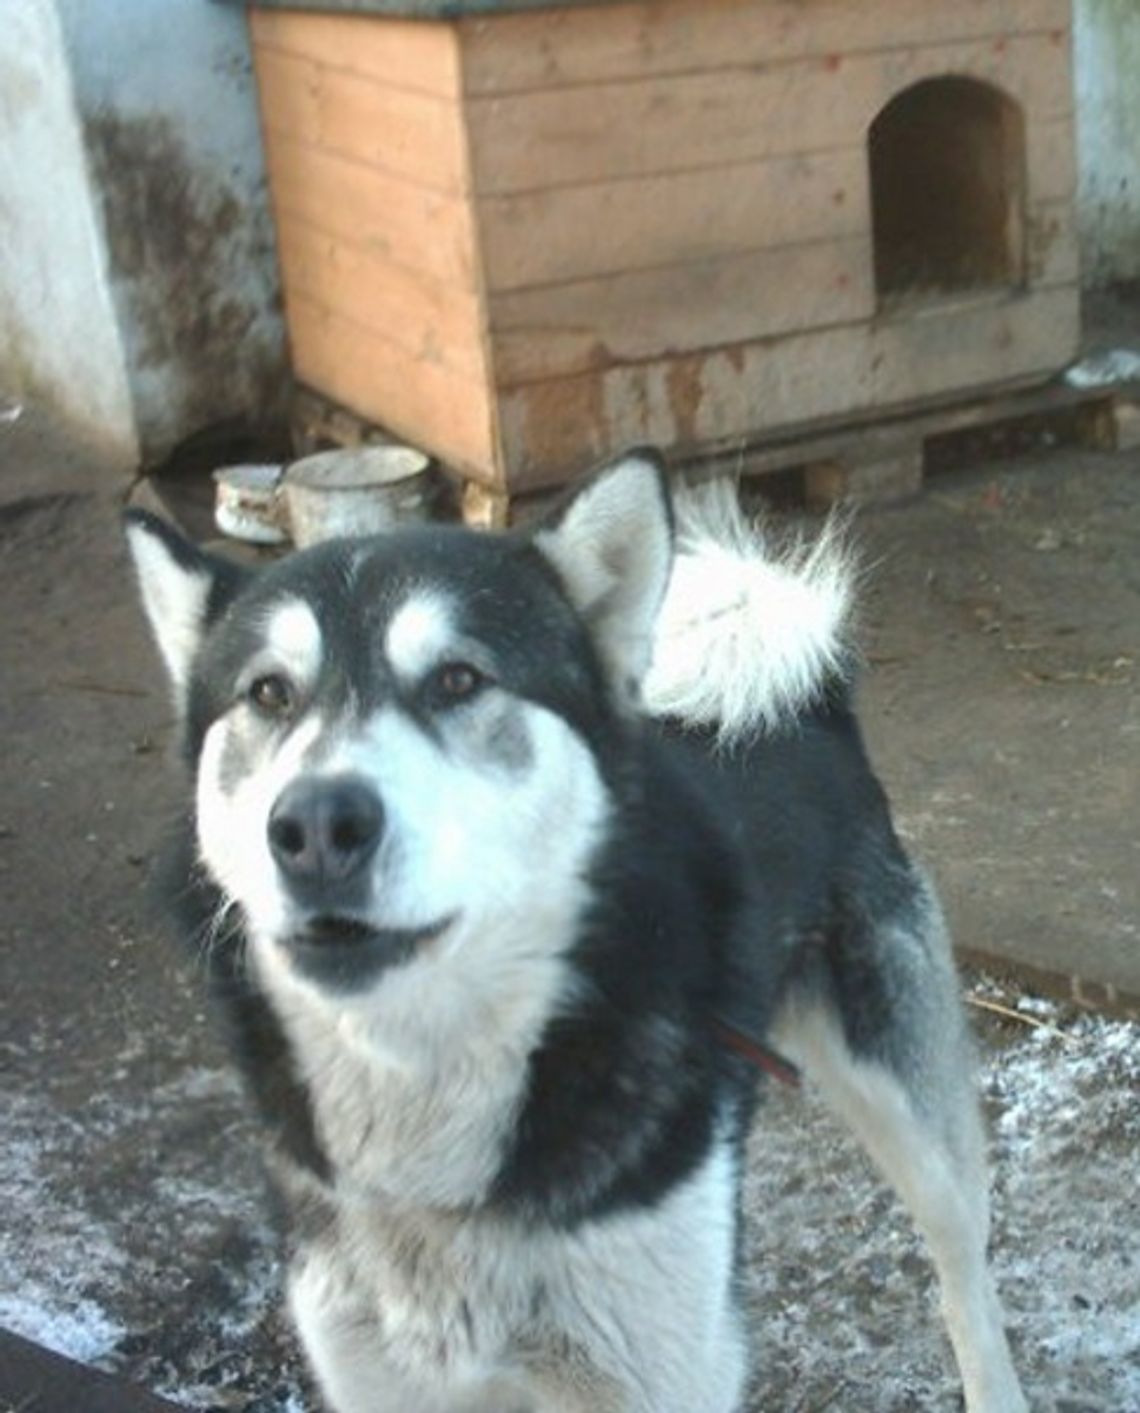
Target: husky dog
{"points": [[498, 841]]}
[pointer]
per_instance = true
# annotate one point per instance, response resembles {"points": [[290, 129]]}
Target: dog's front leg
{"points": [[353, 1357], [357, 1366]]}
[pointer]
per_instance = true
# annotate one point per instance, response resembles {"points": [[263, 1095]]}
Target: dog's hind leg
{"points": [[885, 1043]]}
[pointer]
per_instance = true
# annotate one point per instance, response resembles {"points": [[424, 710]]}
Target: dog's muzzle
{"points": [[324, 832]]}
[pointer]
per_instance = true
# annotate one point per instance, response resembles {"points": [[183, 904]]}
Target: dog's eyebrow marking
{"points": [[418, 634], [293, 635]]}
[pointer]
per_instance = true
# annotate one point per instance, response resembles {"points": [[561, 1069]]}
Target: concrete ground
{"points": [[1001, 622], [1002, 634]]}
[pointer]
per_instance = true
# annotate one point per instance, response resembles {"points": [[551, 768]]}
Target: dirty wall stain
{"points": [[202, 332]]}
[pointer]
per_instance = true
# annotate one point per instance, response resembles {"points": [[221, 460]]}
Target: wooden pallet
{"points": [[887, 459], [868, 460]]}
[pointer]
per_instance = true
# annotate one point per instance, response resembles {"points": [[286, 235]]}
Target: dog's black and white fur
{"points": [[492, 834]]}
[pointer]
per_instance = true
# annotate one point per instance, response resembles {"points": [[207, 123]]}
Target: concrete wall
{"points": [[168, 106], [1107, 41], [59, 340], [138, 275]]}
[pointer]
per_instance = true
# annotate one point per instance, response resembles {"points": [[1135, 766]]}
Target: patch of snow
{"points": [[1040, 1006], [841, 1296], [52, 1255], [76, 1327], [1104, 370], [841, 1301]]}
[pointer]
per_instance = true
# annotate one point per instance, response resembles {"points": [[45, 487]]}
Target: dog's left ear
{"points": [[181, 588], [612, 547]]}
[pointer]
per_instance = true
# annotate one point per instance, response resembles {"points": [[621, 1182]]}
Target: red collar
{"points": [[755, 1053]]}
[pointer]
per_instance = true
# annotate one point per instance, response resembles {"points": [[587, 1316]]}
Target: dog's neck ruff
{"points": [[746, 639]]}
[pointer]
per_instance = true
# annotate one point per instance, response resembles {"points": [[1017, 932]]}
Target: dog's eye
{"points": [[456, 682], [272, 694]]}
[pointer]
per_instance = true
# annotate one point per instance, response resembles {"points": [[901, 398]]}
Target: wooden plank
{"points": [[483, 508], [886, 476], [542, 333], [415, 136], [1096, 425], [828, 445], [850, 435], [571, 232], [551, 429], [431, 321], [398, 52], [420, 402], [566, 233], [561, 47], [412, 226], [571, 136], [971, 343], [1125, 424], [38, 1380]]}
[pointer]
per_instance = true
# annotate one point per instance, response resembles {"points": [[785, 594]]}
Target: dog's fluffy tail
{"points": [[747, 637]]}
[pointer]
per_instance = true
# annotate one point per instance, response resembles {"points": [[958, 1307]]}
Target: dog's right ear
{"points": [[611, 544], [182, 589]]}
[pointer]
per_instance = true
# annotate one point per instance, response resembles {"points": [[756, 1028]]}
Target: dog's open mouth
{"points": [[347, 952]]}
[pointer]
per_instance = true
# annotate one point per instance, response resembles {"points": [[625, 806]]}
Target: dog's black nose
{"points": [[325, 829]]}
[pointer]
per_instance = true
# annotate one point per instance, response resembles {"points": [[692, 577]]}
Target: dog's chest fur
{"points": [[449, 1300], [416, 1101], [404, 1246]]}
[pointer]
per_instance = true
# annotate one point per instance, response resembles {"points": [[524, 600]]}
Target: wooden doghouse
{"points": [[524, 236]]}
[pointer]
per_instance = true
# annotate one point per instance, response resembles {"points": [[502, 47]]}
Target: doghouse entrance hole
{"points": [[947, 164]]}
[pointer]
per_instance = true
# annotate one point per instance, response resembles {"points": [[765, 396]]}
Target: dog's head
{"points": [[400, 743]]}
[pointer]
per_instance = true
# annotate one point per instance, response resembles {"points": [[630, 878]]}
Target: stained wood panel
{"points": [[569, 136], [554, 49], [641, 314], [566, 233], [553, 428]]}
